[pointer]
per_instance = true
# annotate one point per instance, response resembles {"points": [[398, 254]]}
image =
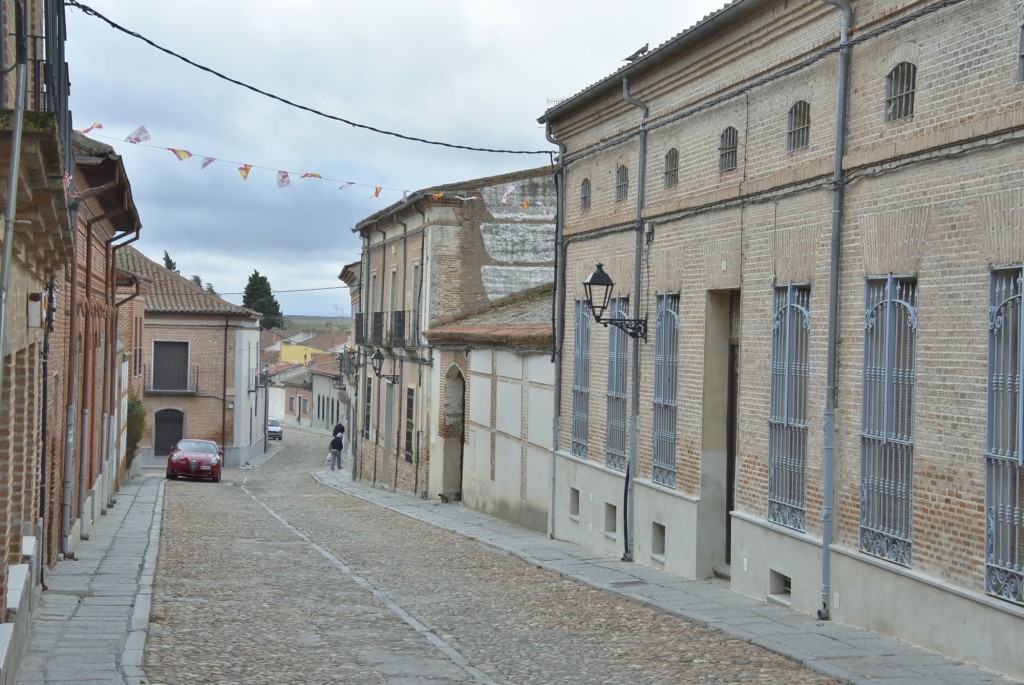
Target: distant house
{"points": [[199, 363]]}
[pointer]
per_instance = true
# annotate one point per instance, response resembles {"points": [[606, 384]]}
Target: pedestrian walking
{"points": [[337, 444], [339, 429]]}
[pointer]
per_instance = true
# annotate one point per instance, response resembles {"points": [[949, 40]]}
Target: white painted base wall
{"points": [[879, 596]]}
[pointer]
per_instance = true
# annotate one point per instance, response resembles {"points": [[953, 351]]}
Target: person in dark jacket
{"points": [[337, 444]]}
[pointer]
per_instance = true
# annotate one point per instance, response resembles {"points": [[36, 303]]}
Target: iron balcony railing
{"points": [[170, 381]]}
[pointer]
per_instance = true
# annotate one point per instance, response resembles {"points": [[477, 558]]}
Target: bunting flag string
{"points": [[283, 178]]}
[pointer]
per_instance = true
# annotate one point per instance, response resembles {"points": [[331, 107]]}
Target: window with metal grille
{"points": [[1004, 456], [799, 131], [887, 423], [1020, 56], [727, 144], [585, 194], [621, 183], [367, 407], [581, 380], [618, 359], [899, 91], [666, 370], [410, 403], [671, 168], [787, 416]]}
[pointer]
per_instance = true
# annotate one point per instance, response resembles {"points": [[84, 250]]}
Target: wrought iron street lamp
{"points": [[377, 361], [598, 287]]}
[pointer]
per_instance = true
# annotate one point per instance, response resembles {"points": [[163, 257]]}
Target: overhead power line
{"points": [[90, 11]]}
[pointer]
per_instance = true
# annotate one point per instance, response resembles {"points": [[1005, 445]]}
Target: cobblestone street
{"points": [[270, 577]]}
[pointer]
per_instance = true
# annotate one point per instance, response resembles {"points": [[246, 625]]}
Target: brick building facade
{"points": [[827, 404], [431, 257]]}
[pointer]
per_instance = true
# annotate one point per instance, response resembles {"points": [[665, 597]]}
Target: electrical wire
{"points": [[91, 12]]}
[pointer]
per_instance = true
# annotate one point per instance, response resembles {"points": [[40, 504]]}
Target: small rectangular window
{"points": [[621, 183], [585, 195], [410, 403], [727, 144], [671, 168], [900, 85], [799, 133]]}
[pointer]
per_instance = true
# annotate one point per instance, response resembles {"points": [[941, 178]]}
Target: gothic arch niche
{"points": [[454, 433]]}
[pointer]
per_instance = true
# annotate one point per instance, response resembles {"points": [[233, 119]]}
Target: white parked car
{"points": [[274, 429]]}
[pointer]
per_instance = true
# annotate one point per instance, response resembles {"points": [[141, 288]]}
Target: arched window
{"points": [[585, 195], [727, 149], [671, 168], [799, 128], [899, 91], [621, 183]]}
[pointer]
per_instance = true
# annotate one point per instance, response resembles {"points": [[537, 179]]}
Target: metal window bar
{"points": [[899, 91], [1020, 56], [727, 149], [367, 408], [671, 168], [887, 430], [377, 334], [799, 133], [787, 422], [666, 369], [585, 194], [1004, 457], [618, 363], [410, 403], [360, 329], [398, 328], [581, 381], [621, 183]]}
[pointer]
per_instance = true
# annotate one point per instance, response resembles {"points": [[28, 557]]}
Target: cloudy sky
{"points": [[469, 72]]}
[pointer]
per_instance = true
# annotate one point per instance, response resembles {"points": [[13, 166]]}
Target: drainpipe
{"points": [[383, 280], [627, 512], [72, 392], [419, 367], [50, 304], [86, 432], [557, 318], [829, 448], [224, 391], [14, 176], [401, 367], [113, 370]]}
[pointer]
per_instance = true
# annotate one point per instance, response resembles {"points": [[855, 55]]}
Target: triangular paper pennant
{"points": [[376, 191], [207, 161], [311, 175], [244, 170], [138, 135], [96, 125], [182, 155], [507, 197], [283, 180]]}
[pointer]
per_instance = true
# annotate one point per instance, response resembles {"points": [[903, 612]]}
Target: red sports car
{"points": [[195, 459]]}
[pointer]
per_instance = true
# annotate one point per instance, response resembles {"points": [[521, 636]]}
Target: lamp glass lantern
{"points": [[598, 287], [377, 361]]}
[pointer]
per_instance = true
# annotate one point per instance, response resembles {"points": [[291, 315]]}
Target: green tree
{"points": [[198, 281], [209, 289], [259, 297], [169, 263]]}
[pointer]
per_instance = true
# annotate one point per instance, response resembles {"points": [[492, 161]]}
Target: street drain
{"points": [[628, 583]]}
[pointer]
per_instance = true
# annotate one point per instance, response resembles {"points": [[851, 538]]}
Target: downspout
{"points": [[557, 318], [829, 446], [383, 280], [224, 391], [641, 186], [86, 443], [50, 304], [419, 367], [14, 175], [401, 372], [72, 387], [113, 369]]}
